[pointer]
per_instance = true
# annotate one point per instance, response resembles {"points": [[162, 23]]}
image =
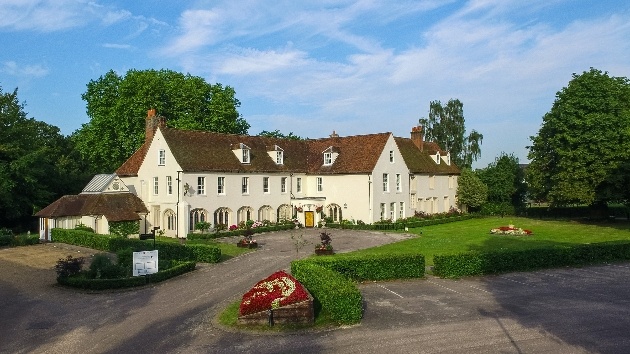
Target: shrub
{"points": [[69, 266], [333, 291], [374, 267], [83, 227], [480, 263], [124, 228]]}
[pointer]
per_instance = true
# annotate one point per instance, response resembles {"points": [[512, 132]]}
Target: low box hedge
{"points": [[480, 263], [82, 282], [166, 250], [332, 290], [401, 225], [374, 267], [240, 232]]}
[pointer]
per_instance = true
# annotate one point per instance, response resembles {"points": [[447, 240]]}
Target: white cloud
{"points": [[251, 61], [28, 71], [200, 28]]}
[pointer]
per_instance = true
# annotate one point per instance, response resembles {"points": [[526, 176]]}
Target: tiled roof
{"points": [[115, 207], [420, 161], [203, 151], [357, 154]]}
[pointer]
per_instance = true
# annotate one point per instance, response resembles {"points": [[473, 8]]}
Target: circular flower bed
{"points": [[510, 230], [277, 290]]}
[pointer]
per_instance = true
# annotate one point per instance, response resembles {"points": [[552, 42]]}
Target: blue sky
{"points": [[311, 67]]}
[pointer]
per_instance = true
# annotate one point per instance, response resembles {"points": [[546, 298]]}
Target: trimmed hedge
{"points": [[102, 284], [240, 232], [480, 263], [374, 267], [167, 250], [402, 225], [332, 290]]}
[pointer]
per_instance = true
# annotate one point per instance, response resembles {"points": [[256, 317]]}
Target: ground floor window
{"points": [[266, 213], [170, 219], [284, 212], [197, 215], [244, 214], [334, 212]]}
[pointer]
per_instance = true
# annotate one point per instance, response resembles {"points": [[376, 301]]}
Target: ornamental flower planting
{"points": [[510, 230], [277, 290]]}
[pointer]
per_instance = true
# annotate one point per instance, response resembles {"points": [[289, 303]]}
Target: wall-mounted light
{"points": [[186, 188]]}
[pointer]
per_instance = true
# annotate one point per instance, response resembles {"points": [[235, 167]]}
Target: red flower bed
{"points": [[277, 290]]}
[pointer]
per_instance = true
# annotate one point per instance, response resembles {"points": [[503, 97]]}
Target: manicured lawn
{"points": [[474, 235]]}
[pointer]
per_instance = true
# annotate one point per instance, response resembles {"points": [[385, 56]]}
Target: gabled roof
{"points": [[357, 154], [99, 183], [420, 161], [115, 207], [203, 151]]}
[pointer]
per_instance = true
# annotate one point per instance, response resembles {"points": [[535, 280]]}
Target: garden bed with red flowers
{"points": [[510, 230], [279, 295]]}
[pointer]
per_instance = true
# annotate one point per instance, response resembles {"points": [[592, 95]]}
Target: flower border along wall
{"points": [[279, 298]]}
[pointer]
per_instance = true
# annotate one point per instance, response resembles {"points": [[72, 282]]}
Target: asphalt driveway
{"points": [[583, 310]]}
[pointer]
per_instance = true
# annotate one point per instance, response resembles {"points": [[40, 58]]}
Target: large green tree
{"points": [[117, 107], [472, 193], [505, 180], [37, 164], [582, 149], [446, 126]]}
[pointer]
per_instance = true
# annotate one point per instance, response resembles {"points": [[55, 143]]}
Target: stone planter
{"points": [[247, 245], [299, 313], [321, 252]]}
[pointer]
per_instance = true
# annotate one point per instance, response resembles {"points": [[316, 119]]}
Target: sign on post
{"points": [[145, 262]]}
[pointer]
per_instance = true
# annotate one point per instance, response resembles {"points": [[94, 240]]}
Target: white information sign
{"points": [[145, 262]]}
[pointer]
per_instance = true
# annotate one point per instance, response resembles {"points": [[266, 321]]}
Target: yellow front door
{"points": [[309, 219]]}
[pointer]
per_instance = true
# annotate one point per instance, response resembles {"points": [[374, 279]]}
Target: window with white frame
{"points": [[327, 158], [169, 185], [320, 184], [170, 219], [283, 185], [279, 157], [201, 185], [398, 183], [437, 158], [220, 185], [298, 186], [245, 185], [392, 211], [245, 155], [413, 201], [391, 156], [401, 210], [265, 185], [382, 211], [156, 186], [385, 182], [161, 157]]}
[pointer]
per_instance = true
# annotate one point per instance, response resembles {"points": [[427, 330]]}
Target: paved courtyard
{"points": [[581, 310]]}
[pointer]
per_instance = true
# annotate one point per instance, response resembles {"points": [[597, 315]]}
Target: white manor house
{"points": [[179, 177]]}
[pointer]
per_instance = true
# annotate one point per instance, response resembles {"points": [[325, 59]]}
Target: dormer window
{"points": [[437, 157], [279, 157], [242, 152], [448, 159], [276, 154], [328, 158], [330, 155], [245, 155]]}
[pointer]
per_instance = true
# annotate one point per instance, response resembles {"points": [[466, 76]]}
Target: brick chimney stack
{"points": [[417, 137], [334, 135], [153, 121]]}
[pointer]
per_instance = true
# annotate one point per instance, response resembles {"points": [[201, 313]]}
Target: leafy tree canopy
{"points": [[37, 163], [581, 152], [471, 191], [446, 126], [117, 107], [277, 134], [505, 180]]}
